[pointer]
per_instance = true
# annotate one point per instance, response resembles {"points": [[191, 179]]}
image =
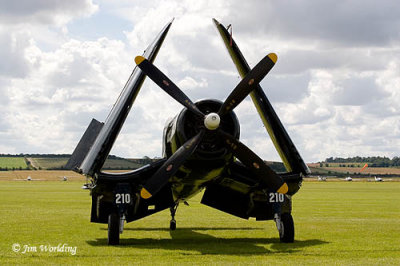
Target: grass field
{"points": [[336, 223], [42, 175], [357, 169], [58, 163], [12, 162], [48, 163], [120, 163]]}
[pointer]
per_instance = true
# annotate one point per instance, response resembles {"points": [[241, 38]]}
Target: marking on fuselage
{"points": [[256, 165], [231, 144]]}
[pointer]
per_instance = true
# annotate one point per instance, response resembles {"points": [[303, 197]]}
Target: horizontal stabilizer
{"points": [[84, 145]]}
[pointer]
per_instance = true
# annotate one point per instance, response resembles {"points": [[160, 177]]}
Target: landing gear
{"points": [[172, 223], [285, 226], [113, 228]]}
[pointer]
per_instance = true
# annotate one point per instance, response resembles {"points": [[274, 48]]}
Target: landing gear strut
{"points": [[172, 223]]}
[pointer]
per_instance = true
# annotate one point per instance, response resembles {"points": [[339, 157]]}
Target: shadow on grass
{"points": [[191, 228], [188, 239]]}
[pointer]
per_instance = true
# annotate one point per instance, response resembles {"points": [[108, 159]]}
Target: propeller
{"points": [[255, 163], [166, 84], [248, 83], [211, 122], [170, 167]]}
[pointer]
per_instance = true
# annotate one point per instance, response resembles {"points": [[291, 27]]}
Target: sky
{"points": [[335, 86]]}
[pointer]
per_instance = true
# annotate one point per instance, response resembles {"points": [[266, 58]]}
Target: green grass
{"points": [[58, 163], [336, 223], [120, 163], [12, 162], [49, 163]]}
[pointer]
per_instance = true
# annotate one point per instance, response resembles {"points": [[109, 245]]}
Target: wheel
{"points": [[172, 225], [286, 234], [113, 229]]}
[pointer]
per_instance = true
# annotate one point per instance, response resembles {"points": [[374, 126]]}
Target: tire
{"points": [[172, 225], [113, 229], [287, 233]]}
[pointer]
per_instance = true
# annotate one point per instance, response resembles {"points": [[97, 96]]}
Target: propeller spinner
{"points": [[211, 121]]}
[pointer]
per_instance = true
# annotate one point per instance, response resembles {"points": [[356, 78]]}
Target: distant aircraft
{"points": [[201, 151], [378, 179], [29, 178], [63, 178], [348, 178], [321, 178]]}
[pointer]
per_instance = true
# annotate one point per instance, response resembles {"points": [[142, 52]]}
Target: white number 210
{"points": [[122, 198], [276, 197]]}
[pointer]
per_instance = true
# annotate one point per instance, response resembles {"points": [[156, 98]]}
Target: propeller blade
{"points": [[248, 83], [170, 167], [255, 163], [166, 84]]}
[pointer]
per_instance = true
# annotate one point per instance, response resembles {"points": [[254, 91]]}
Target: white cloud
{"points": [[79, 78], [44, 11], [335, 85]]}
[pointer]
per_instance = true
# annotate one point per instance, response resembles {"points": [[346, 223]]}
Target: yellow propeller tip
{"points": [[283, 189], [145, 194], [139, 59], [273, 57]]}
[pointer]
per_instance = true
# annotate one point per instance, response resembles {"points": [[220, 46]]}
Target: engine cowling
{"points": [[187, 124]]}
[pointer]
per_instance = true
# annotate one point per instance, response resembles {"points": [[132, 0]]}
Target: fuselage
{"points": [[210, 158]]}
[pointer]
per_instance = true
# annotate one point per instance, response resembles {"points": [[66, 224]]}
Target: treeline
{"points": [[14, 168], [36, 155], [375, 161]]}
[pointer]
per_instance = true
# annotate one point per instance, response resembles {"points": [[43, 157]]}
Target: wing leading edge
{"points": [[97, 154], [283, 144]]}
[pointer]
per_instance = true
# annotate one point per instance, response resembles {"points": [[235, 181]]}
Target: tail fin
{"points": [[84, 145]]}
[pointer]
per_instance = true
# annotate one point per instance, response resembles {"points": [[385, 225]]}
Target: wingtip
{"points": [[273, 57], [139, 59], [216, 22]]}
